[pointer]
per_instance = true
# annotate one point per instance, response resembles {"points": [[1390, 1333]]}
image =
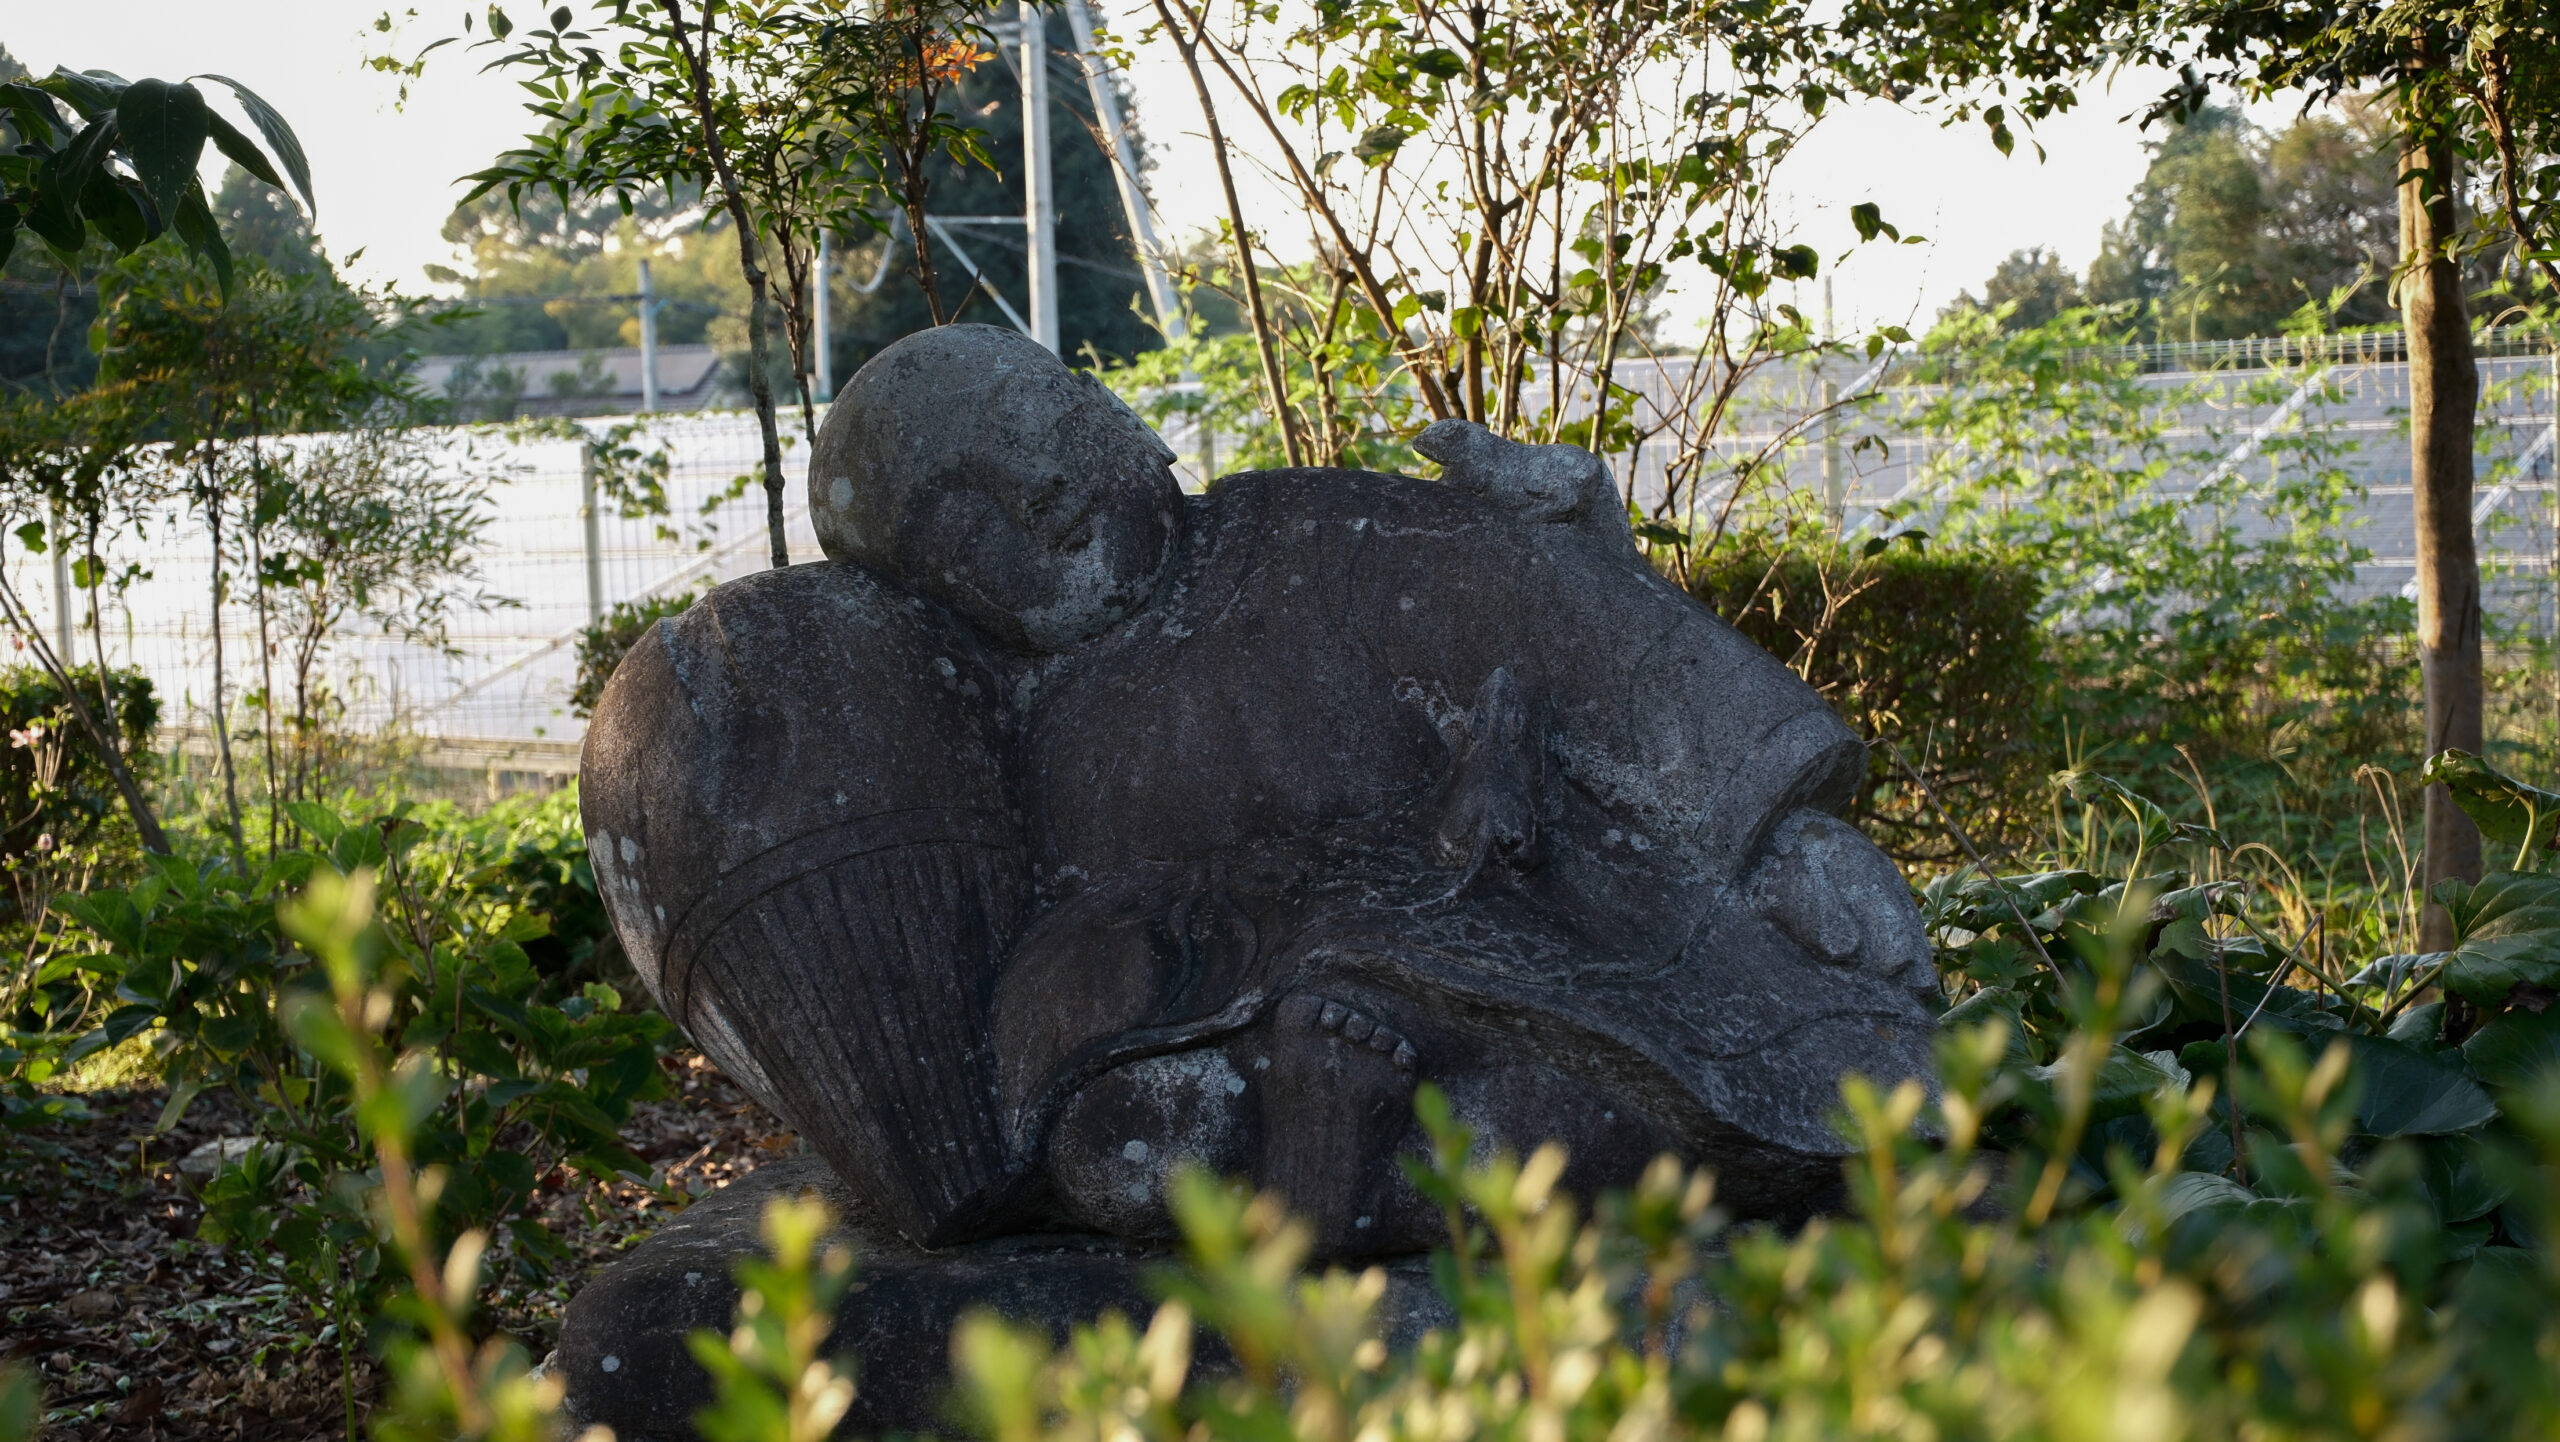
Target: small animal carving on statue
{"points": [[1060, 828]]}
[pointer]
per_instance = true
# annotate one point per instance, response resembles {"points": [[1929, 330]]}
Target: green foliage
{"points": [[121, 162], [1934, 646], [532, 1069], [769, 1382], [2199, 611], [2232, 231], [2161, 1191], [602, 646], [56, 793], [1353, 399], [441, 1388], [1945, 1304]]}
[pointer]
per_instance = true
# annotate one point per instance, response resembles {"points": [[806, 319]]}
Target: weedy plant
{"points": [[516, 1067]]}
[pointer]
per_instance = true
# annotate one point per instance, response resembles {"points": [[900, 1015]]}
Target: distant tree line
{"points": [[2235, 229]]}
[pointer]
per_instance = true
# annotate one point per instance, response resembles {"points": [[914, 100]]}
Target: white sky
{"points": [[386, 177]]}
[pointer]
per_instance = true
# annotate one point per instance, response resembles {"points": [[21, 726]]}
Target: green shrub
{"points": [[55, 791], [1940, 649], [510, 1068], [602, 645]]}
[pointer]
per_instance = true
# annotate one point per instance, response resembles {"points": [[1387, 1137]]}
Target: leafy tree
{"points": [[2232, 231], [218, 382], [2034, 285], [1496, 196], [122, 163], [529, 272], [2470, 86], [259, 221], [785, 114]]}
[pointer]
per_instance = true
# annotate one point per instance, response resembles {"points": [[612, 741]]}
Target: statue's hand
{"points": [[1544, 483], [1487, 805]]}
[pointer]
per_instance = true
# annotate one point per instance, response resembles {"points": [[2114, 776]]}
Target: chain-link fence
{"points": [[499, 689]]}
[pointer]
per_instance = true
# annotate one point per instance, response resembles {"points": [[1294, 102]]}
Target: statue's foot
{"points": [[1355, 1026], [1337, 1106]]}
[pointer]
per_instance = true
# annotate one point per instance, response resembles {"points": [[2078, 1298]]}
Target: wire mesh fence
{"points": [[549, 561]]}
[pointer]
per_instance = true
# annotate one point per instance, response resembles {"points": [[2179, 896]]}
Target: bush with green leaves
{"points": [[56, 794], [602, 646], [1933, 646], [2197, 611], [519, 1062], [2181, 1177]]}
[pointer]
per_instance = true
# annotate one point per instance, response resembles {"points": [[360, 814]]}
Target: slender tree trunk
{"points": [[759, 337], [221, 720], [2444, 395], [266, 649], [914, 182], [1291, 447]]}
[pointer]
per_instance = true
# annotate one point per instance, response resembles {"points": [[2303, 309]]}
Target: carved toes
{"points": [[1359, 1027]]}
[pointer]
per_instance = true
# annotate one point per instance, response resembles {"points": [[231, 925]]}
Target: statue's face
{"points": [[973, 468], [1044, 547]]}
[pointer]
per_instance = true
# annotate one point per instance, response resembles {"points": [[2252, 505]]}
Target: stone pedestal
{"points": [[622, 1344]]}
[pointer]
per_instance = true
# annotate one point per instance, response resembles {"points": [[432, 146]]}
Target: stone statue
{"points": [[1060, 828]]}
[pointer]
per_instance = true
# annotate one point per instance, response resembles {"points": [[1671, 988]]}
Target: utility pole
{"points": [[1133, 201], [594, 527], [62, 589], [1039, 196], [825, 369], [648, 342], [1835, 489]]}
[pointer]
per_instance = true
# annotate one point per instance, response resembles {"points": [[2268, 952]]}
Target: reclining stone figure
{"points": [[1060, 827]]}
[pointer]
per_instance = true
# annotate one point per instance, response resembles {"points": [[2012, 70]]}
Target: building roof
{"points": [[572, 382]]}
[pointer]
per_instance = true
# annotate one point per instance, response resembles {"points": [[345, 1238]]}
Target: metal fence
{"points": [[500, 693]]}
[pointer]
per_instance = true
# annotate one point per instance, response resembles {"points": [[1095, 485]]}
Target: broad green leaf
{"points": [[2126, 1079], [88, 91], [52, 216], [2388, 974], [181, 1096], [1868, 217], [2518, 821], [2515, 1049], [2462, 1179], [2403, 1092], [1378, 142], [2507, 932], [32, 112], [323, 823], [118, 210], [228, 1035], [279, 137], [2420, 1026], [1974, 902], [195, 226], [85, 156], [241, 150], [163, 128], [2186, 1192]]}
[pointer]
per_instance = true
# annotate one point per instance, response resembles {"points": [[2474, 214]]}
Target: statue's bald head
{"points": [[969, 465]]}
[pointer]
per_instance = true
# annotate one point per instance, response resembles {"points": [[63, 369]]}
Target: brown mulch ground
{"points": [[138, 1331]]}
